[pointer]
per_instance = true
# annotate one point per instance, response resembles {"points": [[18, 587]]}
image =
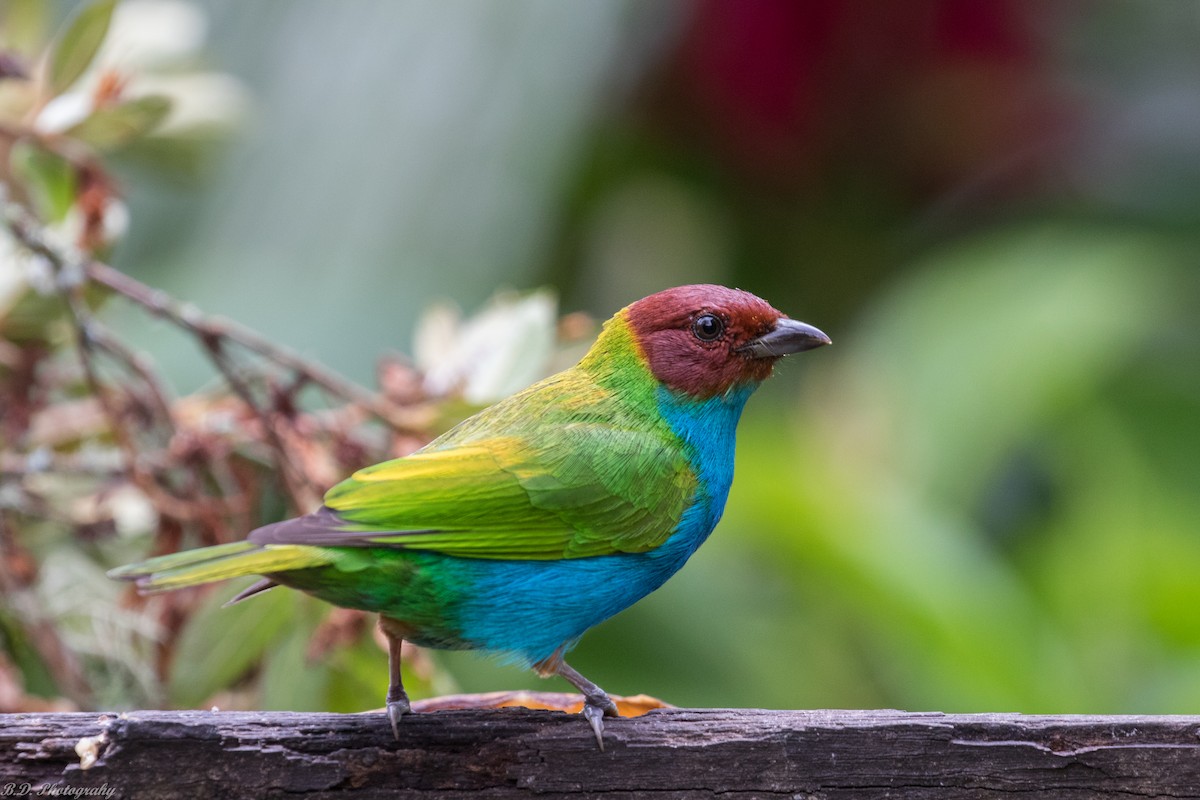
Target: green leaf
{"points": [[113, 127], [219, 645], [359, 677], [49, 179], [18, 647], [289, 681], [78, 44], [35, 318], [22, 23], [1014, 328], [183, 156]]}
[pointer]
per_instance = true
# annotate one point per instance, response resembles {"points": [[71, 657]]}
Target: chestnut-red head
{"points": [[705, 339]]}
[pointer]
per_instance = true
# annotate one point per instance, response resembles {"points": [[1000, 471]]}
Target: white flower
{"points": [[503, 348], [132, 512], [148, 42], [65, 112], [198, 99], [146, 34]]}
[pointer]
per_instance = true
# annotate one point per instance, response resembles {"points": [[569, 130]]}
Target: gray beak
{"points": [[789, 336]]}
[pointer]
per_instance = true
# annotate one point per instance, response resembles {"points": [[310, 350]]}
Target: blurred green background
{"points": [[984, 497]]}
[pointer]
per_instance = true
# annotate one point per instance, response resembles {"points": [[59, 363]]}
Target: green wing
{"points": [[574, 490]]}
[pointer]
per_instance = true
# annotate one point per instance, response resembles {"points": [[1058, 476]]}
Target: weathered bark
{"points": [[667, 754]]}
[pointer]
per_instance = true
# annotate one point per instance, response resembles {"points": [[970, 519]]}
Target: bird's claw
{"points": [[395, 710], [594, 711]]}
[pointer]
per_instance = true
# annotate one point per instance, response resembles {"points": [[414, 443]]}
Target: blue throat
{"points": [[708, 429]]}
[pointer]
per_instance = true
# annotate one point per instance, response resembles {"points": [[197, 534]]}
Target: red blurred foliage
{"points": [[756, 73], [934, 90]]}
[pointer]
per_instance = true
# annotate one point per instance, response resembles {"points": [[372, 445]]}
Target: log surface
{"points": [[670, 753]]}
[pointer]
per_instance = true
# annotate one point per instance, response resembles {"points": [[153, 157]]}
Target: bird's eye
{"points": [[707, 327]]}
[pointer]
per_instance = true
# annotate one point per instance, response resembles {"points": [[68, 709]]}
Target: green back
{"points": [[580, 464]]}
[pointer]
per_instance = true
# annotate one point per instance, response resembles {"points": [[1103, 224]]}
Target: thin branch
{"points": [[206, 329], [89, 336], [74, 270], [302, 495], [136, 363], [85, 345]]}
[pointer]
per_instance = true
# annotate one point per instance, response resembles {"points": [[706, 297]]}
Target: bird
{"points": [[543, 515]]}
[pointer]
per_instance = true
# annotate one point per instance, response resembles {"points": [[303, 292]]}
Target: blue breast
{"points": [[708, 430], [529, 609]]}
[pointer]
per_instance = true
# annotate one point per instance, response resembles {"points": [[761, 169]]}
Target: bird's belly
{"points": [[533, 608], [526, 609]]}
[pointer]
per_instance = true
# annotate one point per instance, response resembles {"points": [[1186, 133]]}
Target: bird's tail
{"points": [[217, 563]]}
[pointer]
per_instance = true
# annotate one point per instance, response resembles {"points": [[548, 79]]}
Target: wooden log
{"points": [[669, 753]]}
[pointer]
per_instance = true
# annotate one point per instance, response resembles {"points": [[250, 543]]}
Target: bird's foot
{"points": [[597, 704], [397, 707], [595, 709]]}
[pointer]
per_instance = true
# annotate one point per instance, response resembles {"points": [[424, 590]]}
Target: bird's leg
{"points": [[597, 704], [397, 698]]}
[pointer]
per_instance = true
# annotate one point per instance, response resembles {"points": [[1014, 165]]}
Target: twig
{"points": [[303, 497], [213, 335], [136, 362], [208, 329], [85, 335], [161, 305]]}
